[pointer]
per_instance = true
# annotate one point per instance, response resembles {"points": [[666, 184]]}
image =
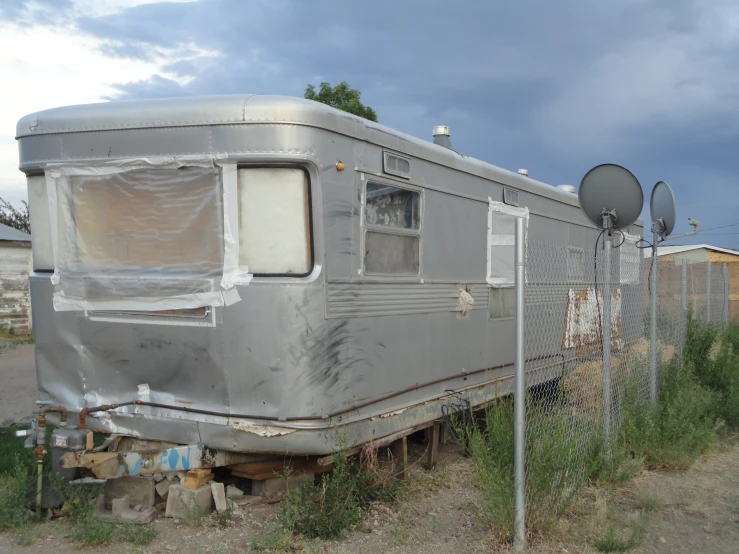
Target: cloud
{"points": [[553, 87]]}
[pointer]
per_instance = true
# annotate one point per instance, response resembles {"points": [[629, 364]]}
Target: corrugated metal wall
{"points": [[15, 299]]}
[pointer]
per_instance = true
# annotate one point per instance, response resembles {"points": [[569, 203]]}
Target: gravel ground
{"points": [[18, 389]]}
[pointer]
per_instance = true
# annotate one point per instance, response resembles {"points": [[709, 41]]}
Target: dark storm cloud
{"points": [[554, 87]]}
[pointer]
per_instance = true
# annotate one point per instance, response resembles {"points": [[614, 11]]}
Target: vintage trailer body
{"points": [[367, 345]]}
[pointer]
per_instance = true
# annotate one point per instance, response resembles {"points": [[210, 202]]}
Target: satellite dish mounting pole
{"points": [[609, 222], [658, 228]]}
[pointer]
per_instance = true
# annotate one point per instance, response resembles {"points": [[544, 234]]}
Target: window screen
{"points": [[390, 253], [389, 206], [274, 214]]}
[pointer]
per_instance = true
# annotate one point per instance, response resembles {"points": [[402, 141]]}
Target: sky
{"points": [[553, 87]]}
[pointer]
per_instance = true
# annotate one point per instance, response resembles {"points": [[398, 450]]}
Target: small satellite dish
{"points": [[662, 208], [613, 191]]}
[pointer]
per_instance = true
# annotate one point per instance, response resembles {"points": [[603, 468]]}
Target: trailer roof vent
{"points": [[567, 188], [524, 172], [441, 136]]}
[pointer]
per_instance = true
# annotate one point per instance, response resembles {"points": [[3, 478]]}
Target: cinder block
{"points": [[233, 492], [162, 487], [183, 503], [122, 511], [274, 487], [219, 497], [140, 490]]}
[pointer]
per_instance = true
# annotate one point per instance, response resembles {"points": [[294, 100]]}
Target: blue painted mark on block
{"points": [[174, 456], [186, 460], [136, 468]]}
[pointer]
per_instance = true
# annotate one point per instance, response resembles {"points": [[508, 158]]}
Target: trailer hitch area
{"points": [[111, 465]]}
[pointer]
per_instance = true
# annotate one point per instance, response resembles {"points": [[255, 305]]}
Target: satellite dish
{"points": [[662, 208], [611, 190]]}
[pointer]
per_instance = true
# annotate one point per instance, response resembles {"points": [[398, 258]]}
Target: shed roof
{"points": [[14, 235], [678, 249]]}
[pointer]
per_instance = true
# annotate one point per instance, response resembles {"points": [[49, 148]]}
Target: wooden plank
{"points": [[399, 451], [433, 446], [277, 467], [197, 478]]}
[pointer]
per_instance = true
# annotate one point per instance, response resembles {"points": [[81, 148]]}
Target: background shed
{"points": [[700, 254], [15, 267]]}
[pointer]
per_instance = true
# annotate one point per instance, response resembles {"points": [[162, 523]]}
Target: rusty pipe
{"points": [[61, 410], [84, 412]]}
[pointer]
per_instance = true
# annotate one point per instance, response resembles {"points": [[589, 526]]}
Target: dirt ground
{"points": [[694, 511], [18, 378]]}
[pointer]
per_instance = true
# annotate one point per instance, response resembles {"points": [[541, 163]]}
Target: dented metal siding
{"points": [[15, 298]]}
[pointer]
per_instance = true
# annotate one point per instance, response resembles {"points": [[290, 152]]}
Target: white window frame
{"points": [[502, 210]]}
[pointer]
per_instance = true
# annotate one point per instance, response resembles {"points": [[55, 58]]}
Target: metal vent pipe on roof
{"points": [[524, 172], [567, 188], [441, 136]]}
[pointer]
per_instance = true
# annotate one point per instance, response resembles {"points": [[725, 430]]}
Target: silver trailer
{"points": [[263, 274]]}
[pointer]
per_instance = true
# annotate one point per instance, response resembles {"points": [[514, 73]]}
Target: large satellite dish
{"points": [[613, 191], [662, 208]]}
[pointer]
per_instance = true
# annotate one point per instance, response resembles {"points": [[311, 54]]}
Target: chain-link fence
{"points": [[575, 387]]}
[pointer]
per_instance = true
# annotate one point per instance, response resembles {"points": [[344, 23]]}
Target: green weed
{"points": [[93, 531], [137, 534], [14, 507], [555, 469], [612, 542]]}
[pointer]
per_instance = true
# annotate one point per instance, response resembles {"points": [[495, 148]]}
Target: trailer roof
{"points": [[13, 235], [250, 109]]}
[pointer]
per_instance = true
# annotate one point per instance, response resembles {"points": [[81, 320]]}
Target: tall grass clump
{"points": [[557, 463], [14, 508], [332, 505], [714, 355], [676, 429]]}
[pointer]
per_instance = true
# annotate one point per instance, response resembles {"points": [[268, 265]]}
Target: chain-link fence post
{"points": [[708, 292], [519, 385], [606, 338], [685, 287], [725, 273], [653, 320]]}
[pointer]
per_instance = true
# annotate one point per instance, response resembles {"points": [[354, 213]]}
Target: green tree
{"points": [[15, 217], [342, 97]]}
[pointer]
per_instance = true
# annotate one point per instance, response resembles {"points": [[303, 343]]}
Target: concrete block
{"points": [[183, 503], [162, 487], [233, 492], [122, 511], [219, 497], [140, 490], [274, 487]]}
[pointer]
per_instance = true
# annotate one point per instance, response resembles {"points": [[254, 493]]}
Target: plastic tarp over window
{"points": [[502, 242], [144, 235]]}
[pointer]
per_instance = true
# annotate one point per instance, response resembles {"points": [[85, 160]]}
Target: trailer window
{"points": [[502, 303], [150, 220], [274, 214], [389, 206], [392, 239]]}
